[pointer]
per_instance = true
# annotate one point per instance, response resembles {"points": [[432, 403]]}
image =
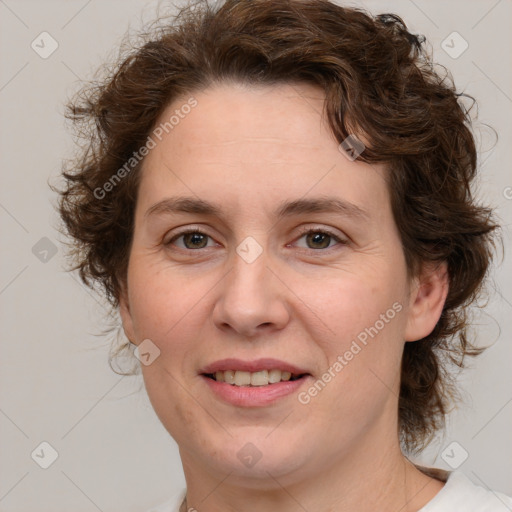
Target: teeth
{"points": [[243, 378], [259, 378], [274, 376], [229, 376]]}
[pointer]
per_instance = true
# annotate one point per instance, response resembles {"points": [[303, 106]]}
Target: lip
{"points": [[254, 396], [252, 366]]}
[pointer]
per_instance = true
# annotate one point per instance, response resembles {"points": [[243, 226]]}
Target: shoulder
{"points": [[171, 505], [461, 494]]}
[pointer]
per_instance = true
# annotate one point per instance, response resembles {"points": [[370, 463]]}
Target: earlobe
{"points": [[427, 301]]}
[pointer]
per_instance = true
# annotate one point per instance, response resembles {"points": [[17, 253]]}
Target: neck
{"points": [[365, 480]]}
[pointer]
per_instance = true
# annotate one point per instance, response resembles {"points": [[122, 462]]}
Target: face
{"points": [[292, 262]]}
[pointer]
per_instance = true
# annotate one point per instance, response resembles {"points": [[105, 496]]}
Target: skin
{"points": [[247, 149]]}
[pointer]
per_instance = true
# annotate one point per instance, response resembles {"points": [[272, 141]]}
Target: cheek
{"points": [[353, 305], [174, 408], [160, 298], [363, 322]]}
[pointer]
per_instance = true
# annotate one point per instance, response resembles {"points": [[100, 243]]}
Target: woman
{"points": [[277, 199]]}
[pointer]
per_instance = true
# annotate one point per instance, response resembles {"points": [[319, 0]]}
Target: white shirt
{"points": [[459, 494]]}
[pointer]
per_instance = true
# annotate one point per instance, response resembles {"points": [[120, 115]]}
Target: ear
{"points": [[126, 316], [427, 298]]}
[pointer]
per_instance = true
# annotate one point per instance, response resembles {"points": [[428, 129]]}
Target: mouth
{"points": [[250, 384], [242, 378]]}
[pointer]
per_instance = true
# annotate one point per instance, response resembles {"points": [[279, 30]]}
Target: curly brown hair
{"points": [[379, 81]]}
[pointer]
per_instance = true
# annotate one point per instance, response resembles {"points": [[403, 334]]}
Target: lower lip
{"points": [[254, 396]]}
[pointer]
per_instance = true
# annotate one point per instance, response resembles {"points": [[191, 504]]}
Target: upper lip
{"points": [[252, 366]]}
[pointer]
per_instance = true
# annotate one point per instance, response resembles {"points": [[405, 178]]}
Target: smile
{"points": [[259, 378]]}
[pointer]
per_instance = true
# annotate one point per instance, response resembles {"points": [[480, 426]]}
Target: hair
{"points": [[380, 83]]}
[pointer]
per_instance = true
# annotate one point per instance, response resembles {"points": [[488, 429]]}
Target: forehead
{"points": [[228, 117], [243, 141]]}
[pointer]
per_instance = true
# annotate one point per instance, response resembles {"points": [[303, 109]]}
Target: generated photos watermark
{"points": [[137, 156], [344, 359]]}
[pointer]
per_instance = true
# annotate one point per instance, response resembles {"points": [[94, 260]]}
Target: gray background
{"points": [[55, 383]]}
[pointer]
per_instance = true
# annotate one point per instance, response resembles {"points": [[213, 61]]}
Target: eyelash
{"points": [[304, 232]]}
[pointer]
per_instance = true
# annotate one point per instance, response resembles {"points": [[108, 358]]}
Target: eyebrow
{"points": [[285, 209]]}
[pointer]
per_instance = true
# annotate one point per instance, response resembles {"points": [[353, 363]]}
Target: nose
{"points": [[252, 299]]}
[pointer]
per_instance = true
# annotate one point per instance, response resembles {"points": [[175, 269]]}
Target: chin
{"points": [[258, 458]]}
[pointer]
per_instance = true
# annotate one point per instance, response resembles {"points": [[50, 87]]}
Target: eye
{"points": [[192, 239], [320, 238]]}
